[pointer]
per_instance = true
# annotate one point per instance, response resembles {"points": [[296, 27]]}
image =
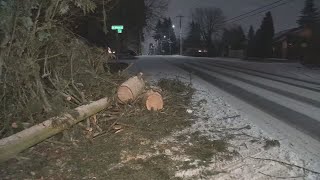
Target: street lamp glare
{"points": [[164, 36], [173, 26]]}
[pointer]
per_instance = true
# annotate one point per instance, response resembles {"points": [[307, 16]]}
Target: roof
{"points": [[280, 36]]}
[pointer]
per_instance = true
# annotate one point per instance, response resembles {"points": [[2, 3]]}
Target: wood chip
{"points": [[14, 125], [117, 127], [118, 131]]}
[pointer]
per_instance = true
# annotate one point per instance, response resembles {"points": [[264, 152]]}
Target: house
{"points": [[290, 44]]}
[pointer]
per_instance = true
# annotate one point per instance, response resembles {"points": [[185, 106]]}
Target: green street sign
{"points": [[117, 27]]}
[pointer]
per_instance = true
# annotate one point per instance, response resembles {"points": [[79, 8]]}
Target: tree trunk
{"points": [[12, 145], [131, 89], [1, 61]]}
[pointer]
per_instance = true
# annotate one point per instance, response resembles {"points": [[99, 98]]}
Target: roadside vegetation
{"points": [[52, 60], [129, 146]]}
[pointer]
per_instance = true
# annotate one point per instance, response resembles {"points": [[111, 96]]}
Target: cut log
{"points": [[12, 145], [153, 100], [131, 89]]}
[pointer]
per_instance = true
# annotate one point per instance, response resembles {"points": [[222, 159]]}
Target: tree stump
{"points": [[153, 100], [131, 89]]}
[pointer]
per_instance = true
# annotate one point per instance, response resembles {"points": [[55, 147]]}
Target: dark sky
{"points": [[284, 16]]}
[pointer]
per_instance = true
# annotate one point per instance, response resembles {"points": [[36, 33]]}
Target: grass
{"points": [[204, 149], [155, 167]]}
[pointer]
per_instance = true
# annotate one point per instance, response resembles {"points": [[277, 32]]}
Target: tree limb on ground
{"points": [[281, 177], [12, 145]]}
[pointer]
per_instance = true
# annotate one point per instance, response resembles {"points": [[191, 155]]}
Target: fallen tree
{"points": [[134, 87], [153, 100], [131, 89], [12, 145]]}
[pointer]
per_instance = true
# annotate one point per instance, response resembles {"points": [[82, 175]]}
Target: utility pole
{"points": [[180, 22], [169, 41]]}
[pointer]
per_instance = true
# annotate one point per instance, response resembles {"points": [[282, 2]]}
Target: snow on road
{"points": [[294, 70], [295, 105], [270, 83], [216, 115]]}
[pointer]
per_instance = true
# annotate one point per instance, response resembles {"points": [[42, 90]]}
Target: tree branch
{"points": [[281, 177], [288, 164]]}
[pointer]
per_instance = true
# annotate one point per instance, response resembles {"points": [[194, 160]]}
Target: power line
{"points": [[262, 11], [262, 7]]}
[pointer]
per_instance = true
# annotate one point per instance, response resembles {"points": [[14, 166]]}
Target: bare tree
{"points": [[211, 22], [154, 11]]}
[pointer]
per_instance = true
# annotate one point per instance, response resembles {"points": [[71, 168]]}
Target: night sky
{"points": [[284, 17]]}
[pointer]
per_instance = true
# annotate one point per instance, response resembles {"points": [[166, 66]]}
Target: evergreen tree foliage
{"points": [[165, 37], [263, 40], [193, 39], [310, 21], [250, 37], [310, 15]]}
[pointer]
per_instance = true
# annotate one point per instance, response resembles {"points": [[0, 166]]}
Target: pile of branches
{"points": [[46, 69]]}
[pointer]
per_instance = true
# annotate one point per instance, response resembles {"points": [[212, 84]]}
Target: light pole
{"points": [[180, 22], [170, 42], [163, 41]]}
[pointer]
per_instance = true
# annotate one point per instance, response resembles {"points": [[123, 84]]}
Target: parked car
{"points": [[127, 54], [197, 52]]}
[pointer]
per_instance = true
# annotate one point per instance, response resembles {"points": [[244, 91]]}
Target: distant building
{"points": [[236, 53], [152, 49]]}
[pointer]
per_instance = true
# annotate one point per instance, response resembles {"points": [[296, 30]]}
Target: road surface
{"points": [[283, 99]]}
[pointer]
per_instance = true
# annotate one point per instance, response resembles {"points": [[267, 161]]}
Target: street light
{"points": [[170, 42], [164, 36]]}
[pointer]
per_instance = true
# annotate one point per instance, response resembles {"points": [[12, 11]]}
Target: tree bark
{"points": [[130, 89], [12, 145]]}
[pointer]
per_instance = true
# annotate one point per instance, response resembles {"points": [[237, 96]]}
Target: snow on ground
{"points": [[215, 115]]}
